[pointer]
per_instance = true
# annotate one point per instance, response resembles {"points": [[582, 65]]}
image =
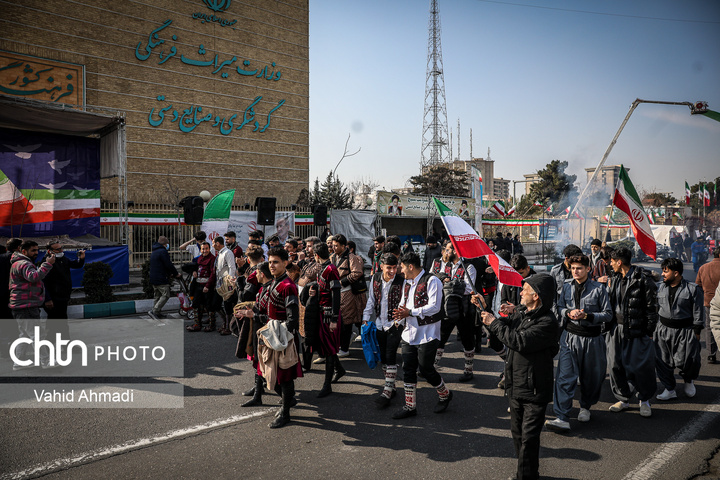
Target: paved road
{"points": [[344, 435]]}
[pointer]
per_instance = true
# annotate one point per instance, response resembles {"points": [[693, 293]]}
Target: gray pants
{"points": [[27, 319], [162, 295], [711, 345], [631, 359], [583, 357], [676, 348]]}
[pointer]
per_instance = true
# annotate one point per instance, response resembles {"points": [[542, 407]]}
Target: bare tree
{"points": [[361, 189]]}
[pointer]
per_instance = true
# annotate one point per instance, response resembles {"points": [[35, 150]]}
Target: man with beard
{"points": [[418, 311], [386, 288], [595, 247], [27, 295], [530, 334], [584, 307], [630, 348], [8, 325], [677, 337], [350, 267], [449, 269], [432, 251], [225, 266], [377, 253]]}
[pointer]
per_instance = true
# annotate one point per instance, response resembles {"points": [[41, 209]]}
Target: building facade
{"points": [[606, 179], [215, 93]]}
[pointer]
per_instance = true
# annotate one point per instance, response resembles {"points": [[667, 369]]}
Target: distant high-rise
{"points": [[435, 137]]}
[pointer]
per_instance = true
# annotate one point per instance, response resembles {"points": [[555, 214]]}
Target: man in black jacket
{"points": [[161, 270], [432, 251], [58, 286], [530, 333], [631, 351]]}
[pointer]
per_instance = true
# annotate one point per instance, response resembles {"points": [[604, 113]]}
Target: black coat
{"points": [[639, 306], [532, 341], [58, 282], [161, 267], [430, 255]]}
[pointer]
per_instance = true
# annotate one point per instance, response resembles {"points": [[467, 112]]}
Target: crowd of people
{"points": [[305, 302]]}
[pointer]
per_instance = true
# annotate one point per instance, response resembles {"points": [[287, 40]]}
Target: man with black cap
{"points": [[595, 247], [432, 251], [530, 333]]}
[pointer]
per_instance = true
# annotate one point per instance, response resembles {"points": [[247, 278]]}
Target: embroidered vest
{"points": [[420, 299], [437, 263], [394, 295]]}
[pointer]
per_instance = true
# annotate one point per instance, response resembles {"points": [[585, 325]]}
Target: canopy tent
{"points": [[108, 125]]}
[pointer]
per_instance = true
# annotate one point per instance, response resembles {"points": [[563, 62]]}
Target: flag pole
{"points": [[466, 274], [612, 208]]}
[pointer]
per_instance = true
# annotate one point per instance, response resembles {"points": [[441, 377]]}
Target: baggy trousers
{"points": [[420, 356], [631, 359], [676, 348], [583, 357]]}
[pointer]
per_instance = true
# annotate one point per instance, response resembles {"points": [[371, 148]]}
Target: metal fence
{"points": [[142, 237]]}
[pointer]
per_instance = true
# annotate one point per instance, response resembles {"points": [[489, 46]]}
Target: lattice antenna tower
{"points": [[435, 143]]}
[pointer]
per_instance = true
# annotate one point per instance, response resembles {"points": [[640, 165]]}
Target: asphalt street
{"points": [[344, 435]]}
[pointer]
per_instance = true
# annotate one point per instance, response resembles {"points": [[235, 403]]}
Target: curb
{"points": [[113, 309]]}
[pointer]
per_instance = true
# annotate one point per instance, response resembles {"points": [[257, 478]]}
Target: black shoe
{"points": [[280, 410], [466, 377], [249, 393], [404, 413], [280, 421], [443, 404], [712, 359], [255, 401], [382, 402], [501, 382], [325, 391]]}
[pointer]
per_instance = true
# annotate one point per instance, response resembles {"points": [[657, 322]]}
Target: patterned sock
{"points": [[410, 402], [438, 356], [469, 357], [390, 374], [442, 390]]}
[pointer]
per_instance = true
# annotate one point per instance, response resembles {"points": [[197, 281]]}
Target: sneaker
{"points": [[557, 425], [319, 360], [645, 410], [667, 395], [619, 406], [690, 389], [358, 338], [17, 367], [153, 315], [584, 415], [343, 354]]}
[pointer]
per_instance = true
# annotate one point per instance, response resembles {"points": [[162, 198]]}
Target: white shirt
{"points": [[382, 322], [415, 334], [194, 250], [225, 264]]}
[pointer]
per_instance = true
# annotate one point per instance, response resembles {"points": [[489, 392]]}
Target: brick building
{"points": [[214, 92]]}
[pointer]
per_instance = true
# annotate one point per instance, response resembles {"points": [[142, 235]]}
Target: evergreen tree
{"points": [[555, 187], [441, 180], [332, 193]]}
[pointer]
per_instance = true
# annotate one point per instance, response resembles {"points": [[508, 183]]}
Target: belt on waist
{"points": [[202, 280], [677, 322]]}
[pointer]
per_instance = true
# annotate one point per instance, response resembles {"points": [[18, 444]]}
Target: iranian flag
{"points": [[551, 208], [627, 200], [468, 244], [512, 210], [706, 196], [678, 215], [13, 204], [217, 214], [687, 194], [499, 207]]}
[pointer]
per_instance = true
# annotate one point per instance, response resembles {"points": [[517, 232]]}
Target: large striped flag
{"points": [[217, 214], [706, 196], [627, 200], [468, 244], [687, 194]]}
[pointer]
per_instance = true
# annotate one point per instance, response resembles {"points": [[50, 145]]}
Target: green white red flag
{"points": [[499, 207], [687, 194], [706, 196], [627, 200], [468, 244], [217, 214]]}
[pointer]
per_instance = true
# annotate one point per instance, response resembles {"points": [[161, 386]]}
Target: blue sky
{"points": [[533, 84]]}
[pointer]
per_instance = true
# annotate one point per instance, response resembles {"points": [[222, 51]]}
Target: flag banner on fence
{"points": [[628, 201], [217, 214], [687, 194], [49, 184], [468, 244]]}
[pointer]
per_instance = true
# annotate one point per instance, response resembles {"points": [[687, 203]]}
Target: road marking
{"points": [[95, 455], [681, 440]]}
